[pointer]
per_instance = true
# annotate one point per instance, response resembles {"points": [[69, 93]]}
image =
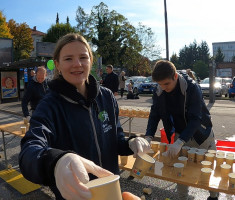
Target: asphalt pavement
{"points": [[222, 111]]}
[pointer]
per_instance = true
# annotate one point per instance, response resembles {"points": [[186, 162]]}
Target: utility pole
{"points": [[211, 81], [166, 31]]}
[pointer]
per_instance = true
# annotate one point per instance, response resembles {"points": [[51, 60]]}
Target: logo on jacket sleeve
{"points": [[104, 117]]}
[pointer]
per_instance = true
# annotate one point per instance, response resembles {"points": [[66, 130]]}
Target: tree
{"points": [[201, 69], [67, 20], [175, 60], [83, 24], [57, 21], [22, 41], [4, 29], [219, 57], [56, 31], [116, 40]]}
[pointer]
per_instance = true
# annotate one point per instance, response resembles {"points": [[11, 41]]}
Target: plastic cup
{"points": [[124, 160], [183, 159], [25, 120], [167, 161], [212, 151], [162, 147], [221, 153], [229, 155], [202, 150], [23, 129], [155, 146], [205, 174], [191, 155], [184, 151], [219, 159], [142, 165], [229, 160], [200, 156], [151, 152], [210, 157], [231, 180], [178, 169], [225, 169], [194, 149], [105, 188], [206, 164]]}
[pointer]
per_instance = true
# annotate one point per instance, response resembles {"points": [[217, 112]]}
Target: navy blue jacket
{"points": [[65, 122], [111, 82], [196, 115], [34, 93]]}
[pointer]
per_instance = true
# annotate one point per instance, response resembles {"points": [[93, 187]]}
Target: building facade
{"points": [[37, 37], [227, 48]]}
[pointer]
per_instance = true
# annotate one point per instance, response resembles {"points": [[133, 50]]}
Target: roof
{"points": [[36, 32]]}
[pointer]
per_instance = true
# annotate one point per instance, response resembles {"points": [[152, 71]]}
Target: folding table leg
{"points": [[4, 149]]}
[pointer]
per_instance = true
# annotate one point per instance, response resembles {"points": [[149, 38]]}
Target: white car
{"points": [[137, 81], [220, 87]]}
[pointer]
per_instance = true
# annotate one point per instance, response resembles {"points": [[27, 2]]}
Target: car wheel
{"points": [[226, 95]]}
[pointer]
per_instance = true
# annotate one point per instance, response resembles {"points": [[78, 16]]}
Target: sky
{"points": [[188, 20]]}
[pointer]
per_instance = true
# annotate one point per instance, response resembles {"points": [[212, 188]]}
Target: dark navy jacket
{"points": [[196, 115], [34, 93], [65, 122], [111, 82]]}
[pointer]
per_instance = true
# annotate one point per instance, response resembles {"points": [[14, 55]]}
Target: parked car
{"points": [[147, 86], [231, 91], [220, 87], [137, 80], [228, 81]]}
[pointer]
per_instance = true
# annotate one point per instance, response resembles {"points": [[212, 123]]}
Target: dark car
{"points": [[147, 86], [231, 91]]}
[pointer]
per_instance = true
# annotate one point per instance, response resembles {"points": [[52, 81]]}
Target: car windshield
{"points": [[148, 79], [207, 80]]}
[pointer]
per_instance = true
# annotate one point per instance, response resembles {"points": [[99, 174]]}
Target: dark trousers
{"points": [[122, 91]]}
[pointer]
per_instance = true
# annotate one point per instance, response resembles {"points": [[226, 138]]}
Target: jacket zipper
{"points": [[95, 135]]}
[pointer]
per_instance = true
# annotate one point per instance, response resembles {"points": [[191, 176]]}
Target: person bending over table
{"points": [[178, 102], [75, 134]]}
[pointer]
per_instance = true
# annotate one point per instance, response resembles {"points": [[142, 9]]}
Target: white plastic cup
{"points": [[184, 151], [183, 159], [225, 169], [142, 165], [105, 188], [23, 129], [231, 180], [200, 156], [191, 155], [205, 174], [210, 157], [178, 169], [206, 164]]}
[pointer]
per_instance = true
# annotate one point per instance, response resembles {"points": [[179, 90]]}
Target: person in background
{"points": [[178, 102], [75, 134], [111, 80], [130, 94], [122, 80], [36, 90]]}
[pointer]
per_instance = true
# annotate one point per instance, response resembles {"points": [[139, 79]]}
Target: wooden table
{"points": [[191, 175], [12, 128]]}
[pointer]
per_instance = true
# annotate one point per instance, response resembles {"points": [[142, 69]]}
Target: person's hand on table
{"points": [[129, 196], [174, 149], [139, 145], [71, 173]]}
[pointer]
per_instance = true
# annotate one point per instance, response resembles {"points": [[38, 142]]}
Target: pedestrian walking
{"points": [[111, 80], [122, 81]]}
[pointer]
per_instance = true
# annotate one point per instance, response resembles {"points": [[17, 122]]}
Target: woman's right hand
{"points": [[71, 173]]}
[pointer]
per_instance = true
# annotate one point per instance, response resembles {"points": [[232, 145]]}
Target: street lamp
{"points": [[211, 81], [166, 31]]}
